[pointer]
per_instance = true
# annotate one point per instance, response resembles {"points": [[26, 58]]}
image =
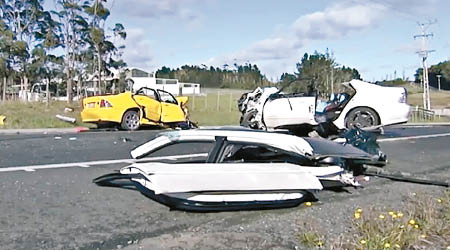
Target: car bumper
{"points": [[95, 115], [399, 113]]}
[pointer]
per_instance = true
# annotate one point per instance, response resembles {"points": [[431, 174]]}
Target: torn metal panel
{"points": [[165, 178], [213, 187], [66, 118], [283, 141]]}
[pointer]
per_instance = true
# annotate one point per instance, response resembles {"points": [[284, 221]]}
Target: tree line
{"points": [[62, 46], [438, 74], [317, 72], [246, 76]]}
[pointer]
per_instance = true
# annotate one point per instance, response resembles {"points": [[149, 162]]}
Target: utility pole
{"points": [[423, 53], [439, 81]]}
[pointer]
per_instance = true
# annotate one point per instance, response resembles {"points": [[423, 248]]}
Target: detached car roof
{"points": [[305, 146]]}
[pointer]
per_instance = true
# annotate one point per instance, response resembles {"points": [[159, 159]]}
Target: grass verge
{"points": [[423, 223], [38, 115]]}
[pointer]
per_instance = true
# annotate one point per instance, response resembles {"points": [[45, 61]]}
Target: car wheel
{"points": [[130, 120], [361, 118]]}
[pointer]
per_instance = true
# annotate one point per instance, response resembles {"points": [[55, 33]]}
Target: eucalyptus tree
{"points": [[98, 14], [30, 24], [12, 51], [73, 33]]}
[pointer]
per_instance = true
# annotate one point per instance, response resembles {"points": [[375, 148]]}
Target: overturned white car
{"points": [[364, 105], [231, 169]]}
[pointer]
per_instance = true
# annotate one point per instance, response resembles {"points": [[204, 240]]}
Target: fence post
{"points": [[218, 99]]}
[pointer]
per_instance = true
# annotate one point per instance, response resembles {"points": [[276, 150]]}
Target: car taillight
{"points": [[404, 97], [105, 104]]}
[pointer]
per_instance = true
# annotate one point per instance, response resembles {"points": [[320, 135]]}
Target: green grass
{"points": [[216, 107], [219, 108], [38, 115]]}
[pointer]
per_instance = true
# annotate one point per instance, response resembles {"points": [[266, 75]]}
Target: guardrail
{"points": [[421, 114]]}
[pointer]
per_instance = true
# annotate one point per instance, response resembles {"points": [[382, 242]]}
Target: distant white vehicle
{"points": [[367, 105], [137, 79]]}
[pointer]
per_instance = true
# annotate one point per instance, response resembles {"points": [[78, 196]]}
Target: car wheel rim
{"points": [[132, 121], [363, 119]]}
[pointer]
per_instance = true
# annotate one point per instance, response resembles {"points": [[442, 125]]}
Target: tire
{"points": [[362, 117], [130, 120]]}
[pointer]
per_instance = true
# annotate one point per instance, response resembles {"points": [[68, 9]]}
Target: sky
{"points": [[374, 36]]}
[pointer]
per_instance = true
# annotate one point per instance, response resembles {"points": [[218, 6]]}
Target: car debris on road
{"points": [[66, 118], [268, 166]]}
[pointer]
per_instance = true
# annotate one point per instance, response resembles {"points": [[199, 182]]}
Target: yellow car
{"points": [[131, 110]]}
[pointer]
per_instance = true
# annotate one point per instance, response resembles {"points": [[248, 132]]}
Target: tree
{"points": [[28, 21], [72, 34], [319, 73], [11, 53]]}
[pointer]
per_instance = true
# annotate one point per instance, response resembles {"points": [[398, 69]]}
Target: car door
{"points": [[290, 110], [170, 110], [148, 99]]}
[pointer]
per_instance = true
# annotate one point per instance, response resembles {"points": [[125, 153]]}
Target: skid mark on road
{"points": [[412, 137], [88, 164]]}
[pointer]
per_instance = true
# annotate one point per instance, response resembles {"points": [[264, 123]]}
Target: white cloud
{"points": [[337, 22], [280, 53], [148, 9], [138, 50]]}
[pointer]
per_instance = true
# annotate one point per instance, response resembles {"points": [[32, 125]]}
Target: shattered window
{"points": [[259, 153], [185, 152], [167, 97]]}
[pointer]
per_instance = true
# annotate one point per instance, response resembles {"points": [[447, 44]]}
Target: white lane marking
{"points": [[413, 137], [86, 164]]}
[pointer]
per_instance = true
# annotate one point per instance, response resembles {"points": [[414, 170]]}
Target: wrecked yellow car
{"points": [[131, 110]]}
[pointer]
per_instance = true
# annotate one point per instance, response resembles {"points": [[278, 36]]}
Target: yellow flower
{"points": [[448, 247], [319, 243], [401, 226], [394, 216], [416, 226], [391, 213], [357, 215], [439, 200], [399, 214], [423, 236], [359, 210], [411, 222], [381, 216], [397, 246], [363, 242], [414, 194], [308, 204], [387, 245]]}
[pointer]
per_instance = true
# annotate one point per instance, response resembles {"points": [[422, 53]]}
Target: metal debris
{"points": [[66, 118], [67, 110]]}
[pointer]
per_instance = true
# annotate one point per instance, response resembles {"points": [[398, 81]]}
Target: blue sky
{"points": [[373, 36]]}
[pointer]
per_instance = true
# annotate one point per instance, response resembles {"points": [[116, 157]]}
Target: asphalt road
{"points": [[60, 208]]}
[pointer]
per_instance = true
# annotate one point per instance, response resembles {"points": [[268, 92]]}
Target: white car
{"points": [[238, 168], [368, 105]]}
